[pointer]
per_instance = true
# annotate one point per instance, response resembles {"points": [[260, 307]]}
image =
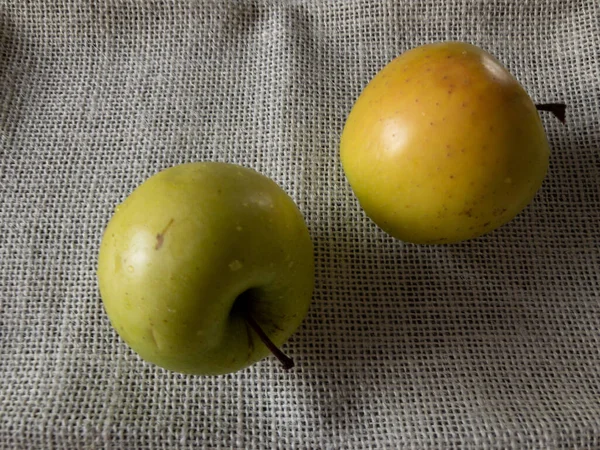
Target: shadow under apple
{"points": [[481, 324]]}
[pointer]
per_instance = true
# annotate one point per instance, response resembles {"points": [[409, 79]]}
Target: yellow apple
{"points": [[205, 268], [444, 145]]}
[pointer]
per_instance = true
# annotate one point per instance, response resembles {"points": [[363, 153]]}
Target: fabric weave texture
{"points": [[492, 343]]}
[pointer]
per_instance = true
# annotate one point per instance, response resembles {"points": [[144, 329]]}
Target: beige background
{"points": [[493, 343]]}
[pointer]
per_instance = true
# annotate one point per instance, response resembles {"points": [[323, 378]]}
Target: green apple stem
{"points": [[285, 360], [558, 109]]}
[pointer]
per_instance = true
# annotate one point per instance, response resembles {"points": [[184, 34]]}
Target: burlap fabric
{"points": [[489, 344]]}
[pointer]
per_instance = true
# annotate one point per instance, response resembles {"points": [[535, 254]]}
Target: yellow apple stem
{"points": [[285, 360], [558, 109]]}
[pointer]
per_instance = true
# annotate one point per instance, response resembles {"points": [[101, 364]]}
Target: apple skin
{"points": [[184, 246], [444, 145]]}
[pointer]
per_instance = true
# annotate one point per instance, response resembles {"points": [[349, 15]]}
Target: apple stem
{"points": [[285, 360], [558, 109]]}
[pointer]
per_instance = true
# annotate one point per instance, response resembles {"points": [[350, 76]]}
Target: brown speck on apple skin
{"points": [[436, 241], [160, 237]]}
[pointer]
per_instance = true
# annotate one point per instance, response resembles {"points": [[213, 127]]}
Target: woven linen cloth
{"points": [[492, 343]]}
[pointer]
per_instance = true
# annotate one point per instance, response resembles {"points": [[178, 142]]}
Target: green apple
{"points": [[444, 145], [206, 267]]}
